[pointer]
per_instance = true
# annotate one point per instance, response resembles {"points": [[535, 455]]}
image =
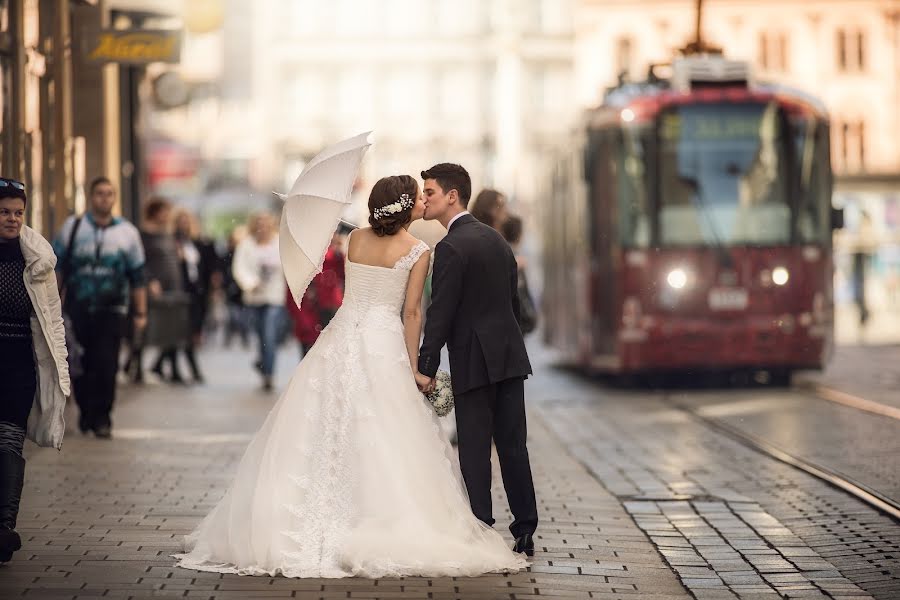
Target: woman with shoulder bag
{"points": [[33, 368], [528, 314]]}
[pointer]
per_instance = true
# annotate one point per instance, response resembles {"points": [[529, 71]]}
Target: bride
{"points": [[351, 475]]}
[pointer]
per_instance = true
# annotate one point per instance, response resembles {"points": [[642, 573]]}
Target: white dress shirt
{"points": [[453, 220]]}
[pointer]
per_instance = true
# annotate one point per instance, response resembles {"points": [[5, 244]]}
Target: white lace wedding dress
{"points": [[351, 474]]}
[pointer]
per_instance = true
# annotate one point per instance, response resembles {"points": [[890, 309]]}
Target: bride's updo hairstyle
{"points": [[391, 202]]}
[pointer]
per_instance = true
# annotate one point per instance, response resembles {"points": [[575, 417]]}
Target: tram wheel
{"points": [[781, 377]]}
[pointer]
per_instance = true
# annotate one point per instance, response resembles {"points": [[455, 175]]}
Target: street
{"points": [[641, 492]]}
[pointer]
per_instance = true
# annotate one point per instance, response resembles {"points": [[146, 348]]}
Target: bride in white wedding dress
{"points": [[351, 474]]}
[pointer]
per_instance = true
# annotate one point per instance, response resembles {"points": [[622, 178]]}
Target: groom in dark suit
{"points": [[474, 311]]}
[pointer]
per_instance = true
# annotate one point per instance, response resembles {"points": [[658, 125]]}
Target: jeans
{"points": [[268, 320]]}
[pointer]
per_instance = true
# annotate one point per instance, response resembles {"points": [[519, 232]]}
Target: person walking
{"points": [[490, 208], [101, 263], [168, 322], [528, 314], [322, 299], [236, 322], [33, 368], [197, 259], [257, 270]]}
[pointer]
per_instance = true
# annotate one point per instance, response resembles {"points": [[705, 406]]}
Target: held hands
{"points": [[426, 384]]}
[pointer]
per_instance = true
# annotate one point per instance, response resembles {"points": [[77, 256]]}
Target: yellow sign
{"points": [[135, 46]]}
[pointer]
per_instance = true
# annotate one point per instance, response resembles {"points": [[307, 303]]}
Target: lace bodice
{"points": [[368, 286]]}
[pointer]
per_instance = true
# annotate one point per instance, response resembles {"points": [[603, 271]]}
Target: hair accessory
{"points": [[404, 203]]}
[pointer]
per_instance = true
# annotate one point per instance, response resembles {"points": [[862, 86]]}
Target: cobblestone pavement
{"points": [[870, 372], [858, 446], [101, 518], [729, 520], [638, 500]]}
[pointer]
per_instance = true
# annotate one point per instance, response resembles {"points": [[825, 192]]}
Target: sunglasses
{"points": [[4, 182]]}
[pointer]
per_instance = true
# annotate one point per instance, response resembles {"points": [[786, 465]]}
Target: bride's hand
{"points": [[425, 383]]}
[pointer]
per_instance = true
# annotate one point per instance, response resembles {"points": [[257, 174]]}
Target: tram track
{"points": [[839, 480]]}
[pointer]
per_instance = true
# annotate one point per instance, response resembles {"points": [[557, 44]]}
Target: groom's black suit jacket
{"points": [[474, 309]]}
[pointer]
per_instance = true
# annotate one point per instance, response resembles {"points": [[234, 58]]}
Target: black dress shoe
{"points": [[524, 543], [103, 432]]}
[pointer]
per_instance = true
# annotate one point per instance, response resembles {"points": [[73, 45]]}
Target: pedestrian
{"points": [[33, 367], [490, 208], [101, 259], [237, 321], [257, 270], [197, 258], [168, 326], [865, 246], [528, 314], [322, 299]]}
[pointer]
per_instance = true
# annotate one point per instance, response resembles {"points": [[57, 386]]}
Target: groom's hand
{"points": [[425, 383]]}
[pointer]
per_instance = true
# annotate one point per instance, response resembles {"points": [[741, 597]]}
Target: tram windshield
{"points": [[723, 177]]}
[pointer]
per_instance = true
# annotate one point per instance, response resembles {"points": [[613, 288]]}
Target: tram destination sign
{"points": [[133, 46]]}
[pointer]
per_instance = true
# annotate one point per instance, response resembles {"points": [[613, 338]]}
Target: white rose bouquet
{"points": [[441, 398]]}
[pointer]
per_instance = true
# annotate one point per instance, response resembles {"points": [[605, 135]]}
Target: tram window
{"points": [[631, 159], [814, 212], [722, 175]]}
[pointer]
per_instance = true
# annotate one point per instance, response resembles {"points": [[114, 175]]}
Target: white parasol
{"points": [[313, 208]]}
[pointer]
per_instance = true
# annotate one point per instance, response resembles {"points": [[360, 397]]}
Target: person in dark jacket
{"points": [[475, 312], [198, 260], [164, 286]]}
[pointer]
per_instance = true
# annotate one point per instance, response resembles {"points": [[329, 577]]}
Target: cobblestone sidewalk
{"points": [[101, 518], [730, 521]]}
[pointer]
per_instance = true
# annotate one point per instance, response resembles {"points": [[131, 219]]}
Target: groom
{"points": [[475, 311]]}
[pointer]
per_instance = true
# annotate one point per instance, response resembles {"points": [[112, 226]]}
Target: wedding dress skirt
{"points": [[351, 474]]}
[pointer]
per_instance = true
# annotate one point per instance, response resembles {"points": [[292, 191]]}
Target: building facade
{"points": [[481, 82], [69, 99], [845, 52]]}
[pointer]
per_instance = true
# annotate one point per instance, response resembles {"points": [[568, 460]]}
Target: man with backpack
{"points": [[101, 267]]}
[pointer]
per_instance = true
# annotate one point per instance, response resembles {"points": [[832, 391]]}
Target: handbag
{"points": [[168, 320], [73, 346]]}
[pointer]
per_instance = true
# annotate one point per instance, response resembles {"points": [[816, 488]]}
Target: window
{"points": [[851, 50], [850, 146], [624, 55], [723, 175], [551, 90], [814, 208], [773, 52]]}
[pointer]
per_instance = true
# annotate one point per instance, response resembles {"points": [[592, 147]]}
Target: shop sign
{"points": [[134, 46]]}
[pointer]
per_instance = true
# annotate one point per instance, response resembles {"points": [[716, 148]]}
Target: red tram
{"points": [[689, 228]]}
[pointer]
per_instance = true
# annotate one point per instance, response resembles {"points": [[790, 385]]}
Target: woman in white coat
{"points": [[34, 374]]}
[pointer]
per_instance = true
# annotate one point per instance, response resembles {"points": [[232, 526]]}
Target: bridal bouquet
{"points": [[441, 398]]}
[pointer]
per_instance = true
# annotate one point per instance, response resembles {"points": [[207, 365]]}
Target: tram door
{"points": [[602, 195]]}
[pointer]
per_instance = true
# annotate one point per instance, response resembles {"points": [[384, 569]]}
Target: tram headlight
{"points": [[780, 276], [677, 279]]}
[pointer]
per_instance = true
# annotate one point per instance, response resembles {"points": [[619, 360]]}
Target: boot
{"points": [[12, 478]]}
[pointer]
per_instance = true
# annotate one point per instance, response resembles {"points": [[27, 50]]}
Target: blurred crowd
{"points": [[140, 302], [108, 301]]}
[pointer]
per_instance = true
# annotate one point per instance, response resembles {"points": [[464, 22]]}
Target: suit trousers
{"points": [[497, 412]]}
